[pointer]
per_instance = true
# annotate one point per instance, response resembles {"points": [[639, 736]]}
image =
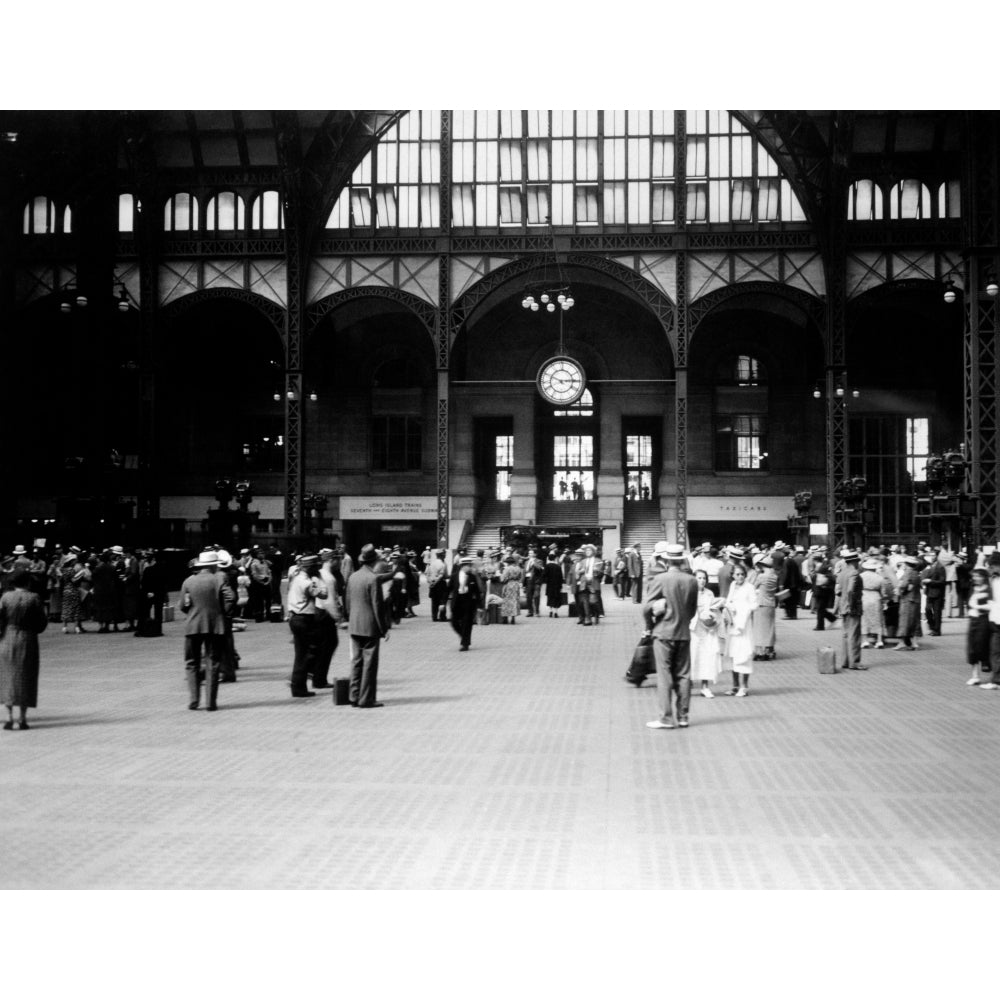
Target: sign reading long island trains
{"points": [[388, 508]]}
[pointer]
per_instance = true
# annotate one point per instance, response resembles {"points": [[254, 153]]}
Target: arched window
{"points": [[39, 216], [126, 213], [864, 201], [565, 168], [742, 370], [267, 212], [67, 223], [225, 212], [909, 199], [950, 200], [180, 214]]}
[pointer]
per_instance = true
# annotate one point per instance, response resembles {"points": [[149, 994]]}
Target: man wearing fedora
{"points": [[587, 576], [205, 597], [848, 605], [671, 602], [368, 622]]}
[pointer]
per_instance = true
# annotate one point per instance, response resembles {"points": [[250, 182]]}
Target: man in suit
{"points": [[671, 603], [633, 562], [848, 605], [588, 574], [204, 598], [465, 591], [152, 597], [368, 622]]}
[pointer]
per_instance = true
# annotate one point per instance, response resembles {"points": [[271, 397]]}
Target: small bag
{"points": [[827, 660], [643, 663], [782, 595], [341, 691]]}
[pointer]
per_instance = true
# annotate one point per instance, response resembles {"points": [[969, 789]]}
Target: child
{"points": [[977, 644]]}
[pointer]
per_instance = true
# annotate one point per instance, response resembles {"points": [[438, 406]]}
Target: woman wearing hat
{"points": [[22, 618], [75, 587], [766, 586], [553, 583], [741, 604], [876, 592], [706, 658]]}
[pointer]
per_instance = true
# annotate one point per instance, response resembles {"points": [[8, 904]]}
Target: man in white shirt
{"points": [[304, 588]]}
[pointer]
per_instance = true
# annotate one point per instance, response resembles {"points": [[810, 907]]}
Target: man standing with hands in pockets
{"points": [[671, 602], [367, 616]]}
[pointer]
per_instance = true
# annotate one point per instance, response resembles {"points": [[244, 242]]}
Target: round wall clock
{"points": [[561, 380]]}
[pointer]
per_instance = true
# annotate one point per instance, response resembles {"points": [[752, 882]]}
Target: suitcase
{"points": [[168, 612], [276, 613], [642, 664], [827, 660], [341, 691]]}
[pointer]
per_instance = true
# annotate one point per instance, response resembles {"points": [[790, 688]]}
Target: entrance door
{"points": [[573, 467]]}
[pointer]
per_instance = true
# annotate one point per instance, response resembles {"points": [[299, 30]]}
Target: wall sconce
{"points": [[291, 394]]}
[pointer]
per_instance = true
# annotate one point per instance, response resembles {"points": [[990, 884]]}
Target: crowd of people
{"points": [[710, 611]]}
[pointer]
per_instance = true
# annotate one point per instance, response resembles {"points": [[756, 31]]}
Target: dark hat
{"points": [[367, 554]]}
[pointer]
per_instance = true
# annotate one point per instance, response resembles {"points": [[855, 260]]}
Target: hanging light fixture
{"points": [[950, 293], [992, 288]]}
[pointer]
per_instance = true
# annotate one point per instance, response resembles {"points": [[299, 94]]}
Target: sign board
{"points": [[739, 508], [388, 508], [819, 528]]}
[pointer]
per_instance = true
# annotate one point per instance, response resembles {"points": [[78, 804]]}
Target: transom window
{"points": [[41, 217], [267, 212], [225, 212], [180, 213], [583, 407]]}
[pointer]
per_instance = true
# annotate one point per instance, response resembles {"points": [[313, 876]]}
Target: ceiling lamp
{"points": [[992, 288], [949, 292]]}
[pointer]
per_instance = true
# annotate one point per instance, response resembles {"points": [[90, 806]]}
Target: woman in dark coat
{"points": [[104, 589], [22, 617], [553, 585]]}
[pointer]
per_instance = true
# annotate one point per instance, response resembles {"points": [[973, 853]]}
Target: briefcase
{"points": [[827, 660], [341, 691]]}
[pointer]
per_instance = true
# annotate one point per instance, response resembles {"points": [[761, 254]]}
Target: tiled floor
{"points": [[523, 764]]}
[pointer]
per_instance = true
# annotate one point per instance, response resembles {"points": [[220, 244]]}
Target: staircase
{"points": [[642, 524], [485, 532]]}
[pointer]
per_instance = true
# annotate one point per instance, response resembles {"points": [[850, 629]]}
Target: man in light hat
{"points": [[734, 557], [304, 589], [847, 603], [633, 572], [671, 602], [465, 592], [204, 598], [823, 584], [588, 574]]}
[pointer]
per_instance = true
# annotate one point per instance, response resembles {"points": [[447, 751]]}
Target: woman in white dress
{"points": [[706, 660], [740, 604]]}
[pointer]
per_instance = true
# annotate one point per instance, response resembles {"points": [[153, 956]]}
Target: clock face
{"points": [[561, 380]]}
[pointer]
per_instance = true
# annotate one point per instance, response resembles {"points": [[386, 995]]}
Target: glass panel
{"points": [[586, 205], [510, 206], [769, 200], [742, 201], [614, 159], [126, 213], [562, 204], [538, 205], [614, 203], [638, 203], [538, 160], [361, 207], [663, 203], [430, 206], [510, 161], [409, 206], [663, 158]]}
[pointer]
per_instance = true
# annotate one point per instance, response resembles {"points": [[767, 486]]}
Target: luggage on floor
{"points": [[642, 664], [341, 691], [276, 613], [827, 660]]}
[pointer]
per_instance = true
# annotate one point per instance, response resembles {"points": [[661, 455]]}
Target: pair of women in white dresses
{"points": [[722, 634]]}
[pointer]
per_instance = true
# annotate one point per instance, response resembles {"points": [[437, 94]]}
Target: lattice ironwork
{"points": [[912, 233], [682, 328], [212, 246], [781, 239], [443, 479], [354, 246]]}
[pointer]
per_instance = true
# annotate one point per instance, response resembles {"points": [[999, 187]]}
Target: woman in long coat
{"points": [[22, 617], [876, 592], [511, 580], [553, 585], [76, 580], [766, 585]]}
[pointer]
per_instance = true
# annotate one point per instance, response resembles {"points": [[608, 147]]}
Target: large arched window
{"points": [[267, 212], [180, 214], [225, 212], [864, 201], [520, 169], [39, 217], [909, 199]]}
